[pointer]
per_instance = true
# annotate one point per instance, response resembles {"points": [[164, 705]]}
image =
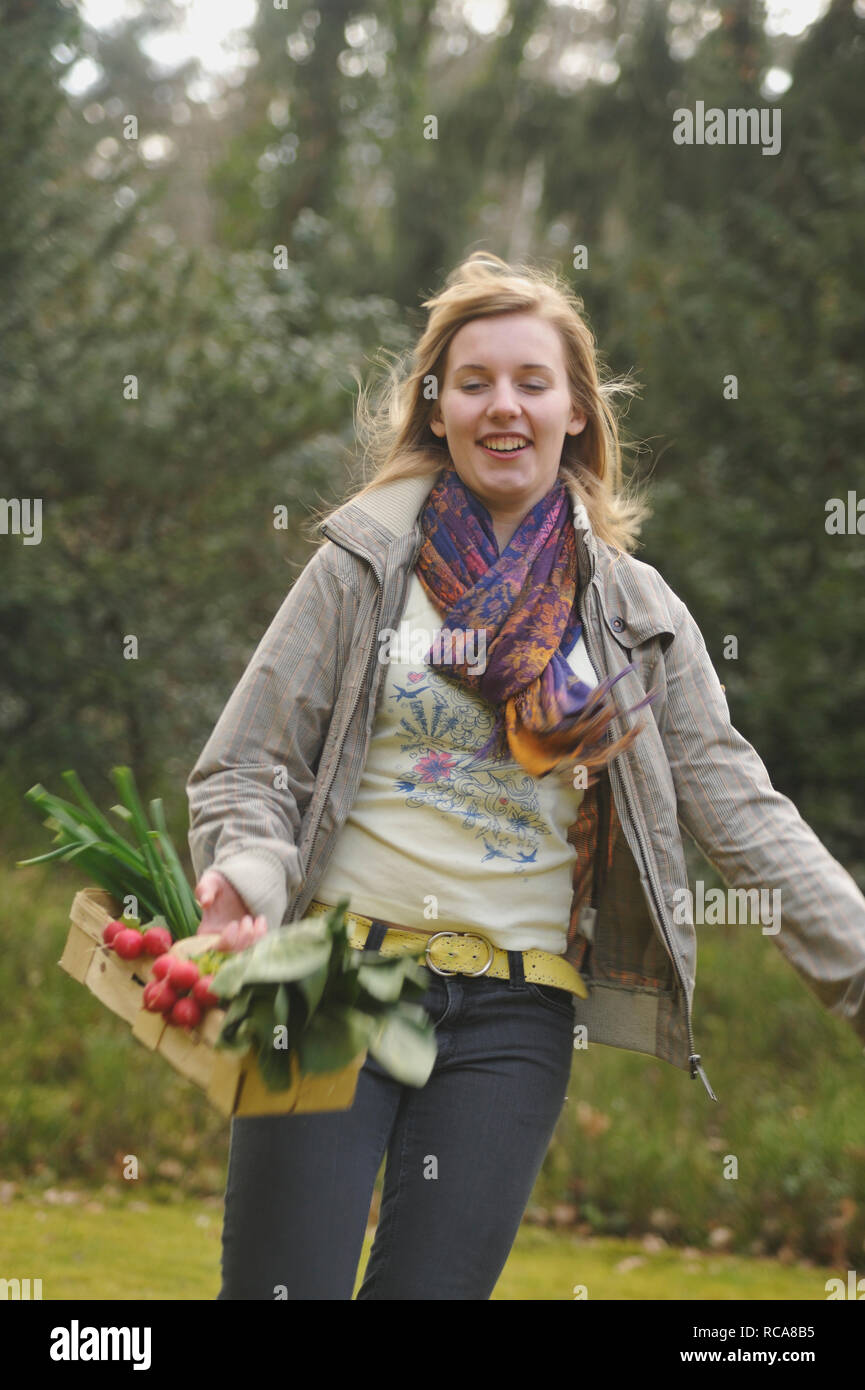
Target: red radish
{"points": [[149, 996], [162, 997], [128, 943], [157, 940], [202, 995], [160, 968], [110, 930], [186, 1013], [182, 973]]}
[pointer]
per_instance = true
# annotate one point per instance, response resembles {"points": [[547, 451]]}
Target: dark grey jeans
{"points": [[463, 1154]]}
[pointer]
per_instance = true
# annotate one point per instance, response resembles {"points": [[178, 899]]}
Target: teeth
{"points": [[505, 448]]}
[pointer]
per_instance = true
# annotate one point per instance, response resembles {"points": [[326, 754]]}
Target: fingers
{"points": [[242, 933], [228, 938], [206, 893], [250, 931], [207, 888]]}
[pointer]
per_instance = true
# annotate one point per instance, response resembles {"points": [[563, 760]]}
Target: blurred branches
{"points": [[182, 308]]}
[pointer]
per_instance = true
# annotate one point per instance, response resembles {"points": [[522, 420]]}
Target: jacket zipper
{"points": [[694, 1057]]}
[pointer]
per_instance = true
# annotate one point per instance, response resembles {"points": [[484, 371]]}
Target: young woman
{"points": [[478, 716]]}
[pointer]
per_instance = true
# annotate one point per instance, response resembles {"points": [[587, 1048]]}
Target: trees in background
{"points": [[703, 264], [176, 406]]}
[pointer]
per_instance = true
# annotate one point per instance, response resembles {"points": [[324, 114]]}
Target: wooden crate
{"points": [[233, 1081], [117, 983]]}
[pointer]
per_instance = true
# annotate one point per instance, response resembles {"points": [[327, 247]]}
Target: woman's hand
{"points": [[225, 912]]}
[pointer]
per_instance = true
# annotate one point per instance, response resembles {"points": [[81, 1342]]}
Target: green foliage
{"points": [[149, 868], [639, 1149], [303, 989], [175, 409], [642, 1150], [158, 511], [704, 262]]}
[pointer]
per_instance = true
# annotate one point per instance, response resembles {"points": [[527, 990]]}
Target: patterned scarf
{"points": [[524, 602]]}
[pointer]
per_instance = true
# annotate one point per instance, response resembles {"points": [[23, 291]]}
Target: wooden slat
{"points": [[186, 1054], [333, 1091], [224, 1085], [77, 953], [116, 983], [92, 908], [148, 1028], [312, 1094]]}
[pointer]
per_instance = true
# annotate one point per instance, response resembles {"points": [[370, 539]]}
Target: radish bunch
{"points": [[177, 988], [179, 991], [130, 940]]}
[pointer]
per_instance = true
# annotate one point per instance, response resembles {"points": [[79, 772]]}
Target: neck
{"points": [[503, 531]]}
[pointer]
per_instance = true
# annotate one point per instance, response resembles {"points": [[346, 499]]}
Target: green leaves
{"points": [[384, 978], [301, 990], [401, 1046], [312, 987], [304, 989], [333, 1039], [286, 954], [150, 868], [280, 1005]]}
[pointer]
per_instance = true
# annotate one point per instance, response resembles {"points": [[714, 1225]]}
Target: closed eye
{"points": [[528, 385]]}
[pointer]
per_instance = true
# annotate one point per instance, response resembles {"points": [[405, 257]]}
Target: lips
{"points": [[504, 453]]}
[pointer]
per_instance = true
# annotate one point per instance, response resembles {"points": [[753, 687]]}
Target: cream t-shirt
{"points": [[483, 845]]}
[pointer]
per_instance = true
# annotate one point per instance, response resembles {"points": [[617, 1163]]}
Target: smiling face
{"points": [[505, 384]]}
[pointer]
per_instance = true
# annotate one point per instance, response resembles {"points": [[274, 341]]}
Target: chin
{"points": [[507, 487]]}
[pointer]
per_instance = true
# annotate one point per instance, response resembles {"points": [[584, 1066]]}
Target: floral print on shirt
{"points": [[441, 725]]}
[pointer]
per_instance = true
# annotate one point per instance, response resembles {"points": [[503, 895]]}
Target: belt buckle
{"points": [[478, 937]]}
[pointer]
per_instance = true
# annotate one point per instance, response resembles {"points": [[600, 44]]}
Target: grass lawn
{"points": [[638, 1147], [85, 1246]]}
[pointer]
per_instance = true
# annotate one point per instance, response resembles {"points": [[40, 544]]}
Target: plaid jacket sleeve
{"points": [[754, 835], [255, 775]]}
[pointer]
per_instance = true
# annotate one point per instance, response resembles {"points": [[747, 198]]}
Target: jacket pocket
{"points": [[643, 647]]}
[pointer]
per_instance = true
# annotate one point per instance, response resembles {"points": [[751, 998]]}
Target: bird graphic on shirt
{"points": [[403, 694], [491, 852]]}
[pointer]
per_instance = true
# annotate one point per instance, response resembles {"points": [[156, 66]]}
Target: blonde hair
{"points": [[395, 434]]}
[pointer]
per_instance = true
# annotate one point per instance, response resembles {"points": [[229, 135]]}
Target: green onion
{"points": [[150, 870]]}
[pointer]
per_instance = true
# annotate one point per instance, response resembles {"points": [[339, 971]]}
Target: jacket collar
{"points": [[393, 510]]}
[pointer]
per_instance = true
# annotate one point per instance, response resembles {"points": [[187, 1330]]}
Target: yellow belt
{"points": [[463, 953]]}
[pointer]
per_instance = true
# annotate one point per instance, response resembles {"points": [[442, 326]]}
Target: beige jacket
{"points": [[278, 775]]}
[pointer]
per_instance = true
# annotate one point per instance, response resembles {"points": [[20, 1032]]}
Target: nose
{"points": [[504, 404]]}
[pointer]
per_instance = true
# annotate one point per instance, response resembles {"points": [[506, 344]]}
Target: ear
{"points": [[437, 427], [577, 422]]}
